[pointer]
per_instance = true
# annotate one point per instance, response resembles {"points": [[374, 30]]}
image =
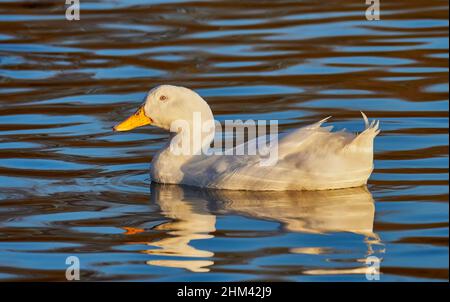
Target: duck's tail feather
{"points": [[373, 127], [366, 120], [319, 123], [364, 140]]}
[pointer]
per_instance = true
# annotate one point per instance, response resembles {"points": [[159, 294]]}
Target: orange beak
{"points": [[136, 120]]}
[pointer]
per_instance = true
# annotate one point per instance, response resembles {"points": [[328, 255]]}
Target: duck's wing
{"points": [[310, 158], [313, 144], [313, 158], [334, 159], [318, 140], [284, 144], [296, 140]]}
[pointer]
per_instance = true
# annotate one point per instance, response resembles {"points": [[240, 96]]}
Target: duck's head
{"points": [[165, 105]]}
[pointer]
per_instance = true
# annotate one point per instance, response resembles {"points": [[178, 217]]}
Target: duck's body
{"points": [[310, 158]]}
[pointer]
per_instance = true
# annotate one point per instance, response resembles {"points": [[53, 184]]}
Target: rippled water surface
{"points": [[69, 186]]}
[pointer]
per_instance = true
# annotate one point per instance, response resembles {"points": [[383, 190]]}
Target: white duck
{"points": [[309, 158]]}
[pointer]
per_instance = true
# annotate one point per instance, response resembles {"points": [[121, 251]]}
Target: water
{"points": [[69, 186]]}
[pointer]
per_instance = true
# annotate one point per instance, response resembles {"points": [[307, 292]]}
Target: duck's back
{"points": [[310, 158]]}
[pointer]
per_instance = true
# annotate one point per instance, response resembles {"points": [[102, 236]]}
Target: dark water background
{"points": [[69, 186]]}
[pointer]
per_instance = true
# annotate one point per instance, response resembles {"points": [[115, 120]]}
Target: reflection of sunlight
{"points": [[363, 269], [347, 210], [308, 250], [337, 271], [196, 266]]}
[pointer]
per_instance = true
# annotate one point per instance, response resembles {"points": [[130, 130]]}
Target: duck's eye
{"points": [[163, 98]]}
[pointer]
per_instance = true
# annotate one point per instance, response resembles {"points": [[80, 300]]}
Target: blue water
{"points": [[69, 186]]}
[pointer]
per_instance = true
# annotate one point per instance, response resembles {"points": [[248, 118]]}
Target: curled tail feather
{"points": [[364, 140], [373, 127], [366, 120]]}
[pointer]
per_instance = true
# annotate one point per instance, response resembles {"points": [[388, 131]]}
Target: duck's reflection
{"points": [[348, 210], [190, 220]]}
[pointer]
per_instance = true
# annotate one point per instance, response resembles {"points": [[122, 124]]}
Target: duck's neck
{"points": [[184, 146], [190, 142], [191, 137]]}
